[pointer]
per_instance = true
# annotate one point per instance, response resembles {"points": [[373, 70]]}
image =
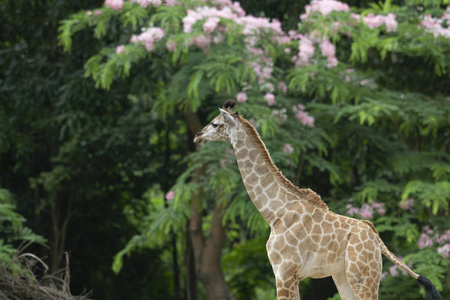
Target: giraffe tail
{"points": [[430, 290]]}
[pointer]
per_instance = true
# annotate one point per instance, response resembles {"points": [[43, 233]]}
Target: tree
{"points": [[71, 155], [372, 125]]}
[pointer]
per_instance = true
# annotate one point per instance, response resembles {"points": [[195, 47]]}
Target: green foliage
{"points": [[12, 230], [154, 221], [107, 158], [246, 270]]}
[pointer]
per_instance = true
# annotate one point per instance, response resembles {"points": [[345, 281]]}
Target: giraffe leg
{"points": [[344, 288], [297, 291], [287, 289], [363, 267]]}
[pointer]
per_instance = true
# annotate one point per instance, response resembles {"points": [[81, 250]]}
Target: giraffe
{"points": [[306, 238]]}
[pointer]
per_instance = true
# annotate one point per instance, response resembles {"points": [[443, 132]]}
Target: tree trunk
{"points": [[191, 275], [207, 254], [61, 213]]}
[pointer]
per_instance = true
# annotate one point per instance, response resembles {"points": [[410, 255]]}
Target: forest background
{"points": [[100, 101]]}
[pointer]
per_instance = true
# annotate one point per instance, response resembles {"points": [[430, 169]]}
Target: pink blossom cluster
{"points": [[241, 97], [424, 241], [367, 210], [114, 4], [149, 37], [434, 25], [204, 13], [375, 21], [171, 45], [444, 250], [270, 98], [231, 11], [170, 195], [262, 66], [154, 3], [282, 87], [211, 17], [120, 49], [302, 115], [407, 204], [430, 237], [329, 50], [288, 149], [236, 6], [394, 270], [306, 50], [96, 12], [324, 7], [253, 25], [280, 114], [445, 237]]}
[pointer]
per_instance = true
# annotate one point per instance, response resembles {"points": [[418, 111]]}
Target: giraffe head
{"points": [[221, 127]]}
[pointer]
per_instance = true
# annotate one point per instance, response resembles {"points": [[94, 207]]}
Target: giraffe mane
{"points": [[306, 194]]}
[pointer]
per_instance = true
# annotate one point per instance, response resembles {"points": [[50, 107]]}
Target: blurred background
{"points": [[100, 178]]}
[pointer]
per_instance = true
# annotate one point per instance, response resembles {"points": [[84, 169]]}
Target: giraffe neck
{"points": [[261, 178]]}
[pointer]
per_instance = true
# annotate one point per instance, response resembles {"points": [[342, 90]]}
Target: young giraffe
{"points": [[306, 239]]}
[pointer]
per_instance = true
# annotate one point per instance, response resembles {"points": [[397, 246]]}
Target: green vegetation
{"points": [[100, 102]]}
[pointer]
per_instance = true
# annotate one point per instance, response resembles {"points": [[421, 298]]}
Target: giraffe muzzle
{"points": [[198, 138]]}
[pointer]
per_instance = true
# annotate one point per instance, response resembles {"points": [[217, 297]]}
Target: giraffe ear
{"points": [[227, 117]]}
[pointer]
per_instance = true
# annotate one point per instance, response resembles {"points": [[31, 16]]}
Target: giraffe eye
{"points": [[214, 125]]}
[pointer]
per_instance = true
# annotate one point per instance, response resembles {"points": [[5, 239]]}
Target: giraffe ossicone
{"points": [[306, 239]]}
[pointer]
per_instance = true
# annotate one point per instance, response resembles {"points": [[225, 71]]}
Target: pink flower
{"points": [[306, 51], [171, 45], [288, 149], [444, 250], [170, 195], [383, 276], [332, 62], [434, 25], [210, 24], [324, 7], [393, 270], [303, 116], [379, 207], [352, 211], [171, 2], [149, 37], [375, 21], [328, 49], [267, 86], [390, 22], [366, 211], [381, 211], [282, 87], [407, 204], [270, 98], [114, 4], [201, 41], [444, 237], [308, 120], [119, 49], [241, 97], [424, 241], [145, 3]]}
